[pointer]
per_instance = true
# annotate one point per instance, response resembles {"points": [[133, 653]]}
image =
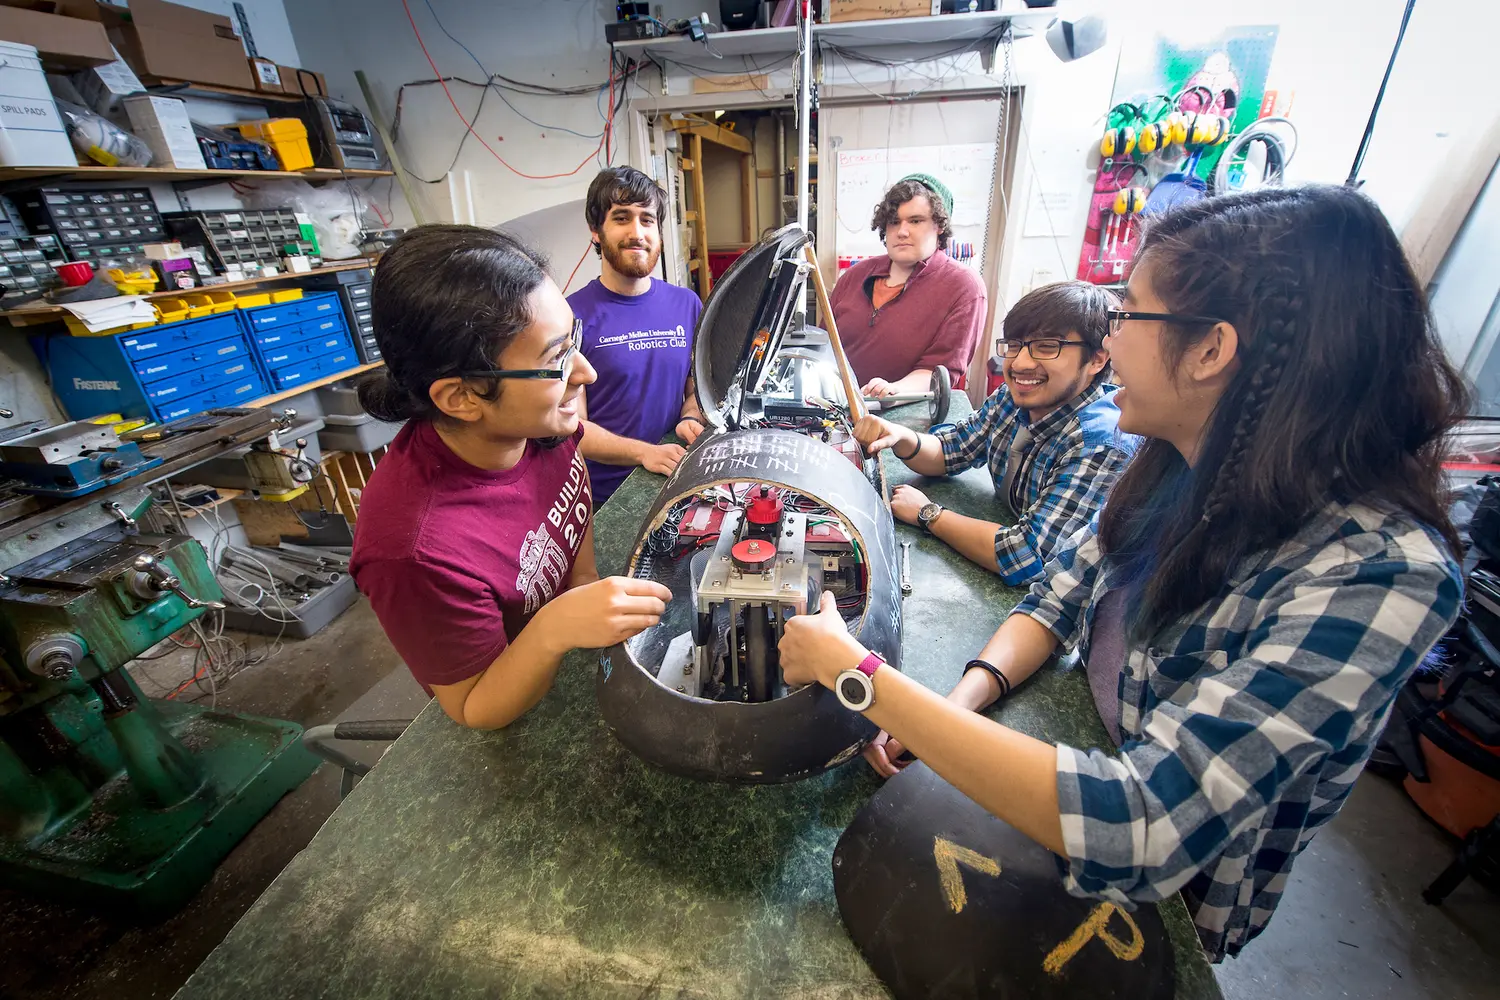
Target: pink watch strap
{"points": [[871, 663]]}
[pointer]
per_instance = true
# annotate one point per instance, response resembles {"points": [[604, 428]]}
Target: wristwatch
{"points": [[928, 514], [855, 687]]}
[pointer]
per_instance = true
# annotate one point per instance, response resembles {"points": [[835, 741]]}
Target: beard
{"points": [[630, 265]]}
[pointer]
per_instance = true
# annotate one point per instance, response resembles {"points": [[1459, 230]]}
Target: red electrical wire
{"points": [[576, 266], [469, 125]]}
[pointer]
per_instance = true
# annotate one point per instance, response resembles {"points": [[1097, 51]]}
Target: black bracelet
{"points": [[694, 420], [914, 454], [992, 670]]}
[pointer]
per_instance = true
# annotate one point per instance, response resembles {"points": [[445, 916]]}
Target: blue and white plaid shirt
{"points": [[1243, 731], [1076, 452]]}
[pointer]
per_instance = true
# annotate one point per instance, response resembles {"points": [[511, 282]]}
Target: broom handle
{"points": [[846, 373]]}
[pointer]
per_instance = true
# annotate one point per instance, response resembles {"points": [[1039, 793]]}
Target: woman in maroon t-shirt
{"points": [[474, 543]]}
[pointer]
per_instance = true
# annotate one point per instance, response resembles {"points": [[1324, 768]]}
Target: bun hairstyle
{"points": [[447, 299]]}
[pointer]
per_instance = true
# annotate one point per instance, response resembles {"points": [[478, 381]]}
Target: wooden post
{"points": [[846, 373], [700, 206], [747, 205]]}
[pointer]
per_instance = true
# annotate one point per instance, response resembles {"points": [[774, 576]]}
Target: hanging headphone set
{"points": [[1150, 153]]}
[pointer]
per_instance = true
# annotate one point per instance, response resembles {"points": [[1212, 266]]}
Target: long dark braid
{"points": [[1270, 353], [1343, 392]]}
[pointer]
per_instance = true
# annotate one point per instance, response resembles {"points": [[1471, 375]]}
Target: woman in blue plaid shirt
{"points": [[1262, 580]]}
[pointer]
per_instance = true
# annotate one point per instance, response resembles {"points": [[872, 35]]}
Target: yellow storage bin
{"points": [[223, 301], [77, 329], [198, 306], [172, 310], [286, 295], [253, 299], [135, 282], [287, 137]]}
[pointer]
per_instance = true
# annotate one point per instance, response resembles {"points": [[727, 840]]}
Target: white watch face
{"points": [[855, 691]]}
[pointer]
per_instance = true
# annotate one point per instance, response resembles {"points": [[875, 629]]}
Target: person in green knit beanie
{"points": [[902, 314]]}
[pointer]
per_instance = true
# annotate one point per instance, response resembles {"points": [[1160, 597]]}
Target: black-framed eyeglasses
{"points": [[564, 364], [1041, 350], [1118, 318]]}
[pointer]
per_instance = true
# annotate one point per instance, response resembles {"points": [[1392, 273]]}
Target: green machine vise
{"points": [[107, 797]]}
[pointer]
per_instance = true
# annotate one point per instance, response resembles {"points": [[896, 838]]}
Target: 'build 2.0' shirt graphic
{"points": [[642, 348]]}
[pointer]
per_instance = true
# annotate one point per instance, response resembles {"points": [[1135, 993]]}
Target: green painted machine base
{"points": [[120, 855]]}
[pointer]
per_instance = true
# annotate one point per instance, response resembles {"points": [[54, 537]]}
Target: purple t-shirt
{"points": [[454, 559], [642, 348]]}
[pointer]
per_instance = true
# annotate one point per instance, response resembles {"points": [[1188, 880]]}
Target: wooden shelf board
{"points": [[34, 313], [210, 91], [315, 384], [196, 510], [170, 174]]}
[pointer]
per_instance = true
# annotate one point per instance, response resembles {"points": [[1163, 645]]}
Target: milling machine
{"points": [[108, 797]]}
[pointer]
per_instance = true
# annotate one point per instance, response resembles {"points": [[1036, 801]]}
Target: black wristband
{"points": [[914, 454], [694, 420], [992, 670]]}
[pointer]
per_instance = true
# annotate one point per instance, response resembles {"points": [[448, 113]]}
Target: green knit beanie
{"points": [[934, 185]]}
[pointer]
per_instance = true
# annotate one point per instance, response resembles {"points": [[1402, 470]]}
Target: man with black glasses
{"points": [[1049, 437]]}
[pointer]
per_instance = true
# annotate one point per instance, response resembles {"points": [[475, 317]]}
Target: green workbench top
{"points": [[544, 860]]}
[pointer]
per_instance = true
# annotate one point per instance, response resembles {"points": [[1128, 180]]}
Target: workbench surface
{"points": [[544, 860]]}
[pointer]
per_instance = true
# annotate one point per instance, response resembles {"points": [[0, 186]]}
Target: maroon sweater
{"points": [[936, 320]]}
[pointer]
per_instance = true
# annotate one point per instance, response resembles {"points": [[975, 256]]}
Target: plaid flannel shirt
{"points": [[1075, 454], [1244, 730]]}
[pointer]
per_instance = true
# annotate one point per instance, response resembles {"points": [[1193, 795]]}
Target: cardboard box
{"points": [[60, 41], [163, 124], [300, 82], [167, 41], [267, 75], [880, 10], [104, 88]]}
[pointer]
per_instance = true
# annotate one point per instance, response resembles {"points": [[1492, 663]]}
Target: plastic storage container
{"points": [[340, 400], [325, 604], [356, 434], [31, 130], [286, 295], [287, 137], [173, 310]]}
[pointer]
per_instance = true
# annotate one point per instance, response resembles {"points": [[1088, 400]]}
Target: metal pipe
{"points": [[332, 554], [804, 113], [278, 570]]}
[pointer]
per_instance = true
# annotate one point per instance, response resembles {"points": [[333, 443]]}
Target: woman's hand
{"points": [[882, 753], [815, 648], [600, 614]]}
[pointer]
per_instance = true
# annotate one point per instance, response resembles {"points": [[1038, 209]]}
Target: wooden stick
{"points": [[851, 387]]}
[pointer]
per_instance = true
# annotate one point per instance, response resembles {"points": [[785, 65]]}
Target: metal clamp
{"points": [[114, 510], [162, 580]]}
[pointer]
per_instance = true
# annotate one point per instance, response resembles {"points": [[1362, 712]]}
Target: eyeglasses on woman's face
{"points": [[1119, 317], [560, 372]]}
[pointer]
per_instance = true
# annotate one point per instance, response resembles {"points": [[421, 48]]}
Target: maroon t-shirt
{"points": [[935, 320], [454, 559]]}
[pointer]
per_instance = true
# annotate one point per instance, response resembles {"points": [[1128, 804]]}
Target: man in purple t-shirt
{"points": [[638, 335]]}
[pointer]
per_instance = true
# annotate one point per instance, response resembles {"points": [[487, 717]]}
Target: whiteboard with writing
{"points": [[864, 175]]}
